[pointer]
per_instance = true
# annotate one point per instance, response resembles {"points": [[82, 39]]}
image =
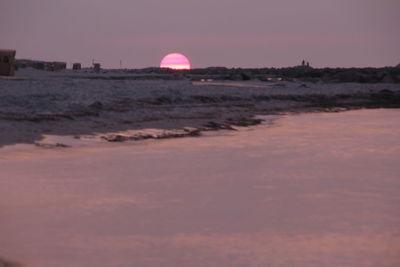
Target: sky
{"points": [[230, 33]]}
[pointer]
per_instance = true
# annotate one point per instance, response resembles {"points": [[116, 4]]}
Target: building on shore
{"points": [[76, 66], [7, 62], [96, 67], [55, 66], [41, 65]]}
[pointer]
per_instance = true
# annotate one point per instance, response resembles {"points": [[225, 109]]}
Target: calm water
{"points": [[308, 190]]}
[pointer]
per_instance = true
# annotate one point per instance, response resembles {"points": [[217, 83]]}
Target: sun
{"points": [[175, 61]]}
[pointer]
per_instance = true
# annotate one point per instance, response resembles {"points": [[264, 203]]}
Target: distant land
{"points": [[303, 72]]}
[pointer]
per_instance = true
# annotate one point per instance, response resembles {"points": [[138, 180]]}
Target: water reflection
{"points": [[319, 190]]}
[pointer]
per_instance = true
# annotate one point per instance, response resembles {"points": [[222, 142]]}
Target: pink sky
{"points": [[232, 33]]}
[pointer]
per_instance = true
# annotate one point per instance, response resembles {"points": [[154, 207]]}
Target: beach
{"points": [[199, 133], [318, 189]]}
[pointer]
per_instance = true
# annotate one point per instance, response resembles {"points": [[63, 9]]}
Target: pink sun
{"points": [[175, 61]]}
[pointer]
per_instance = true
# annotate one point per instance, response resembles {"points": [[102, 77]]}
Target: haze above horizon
{"points": [[230, 33]]}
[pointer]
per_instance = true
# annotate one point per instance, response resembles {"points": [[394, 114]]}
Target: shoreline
{"points": [[186, 130], [63, 105], [305, 181]]}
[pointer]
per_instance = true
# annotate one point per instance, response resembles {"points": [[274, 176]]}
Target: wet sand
{"points": [[308, 190]]}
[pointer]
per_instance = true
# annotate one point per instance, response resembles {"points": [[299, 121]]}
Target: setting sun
{"points": [[175, 61]]}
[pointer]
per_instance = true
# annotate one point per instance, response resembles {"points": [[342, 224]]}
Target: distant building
{"points": [[60, 66], [96, 67], [55, 66], [41, 65], [76, 66], [24, 63], [7, 62]]}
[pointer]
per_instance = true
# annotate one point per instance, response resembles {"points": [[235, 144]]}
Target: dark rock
{"points": [[348, 76], [246, 76], [50, 146], [96, 106], [385, 94], [115, 138], [343, 96], [386, 98], [204, 99], [244, 122], [165, 135], [388, 78], [217, 126], [163, 100]]}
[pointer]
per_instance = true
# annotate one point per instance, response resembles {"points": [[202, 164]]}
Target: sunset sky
{"points": [[231, 33]]}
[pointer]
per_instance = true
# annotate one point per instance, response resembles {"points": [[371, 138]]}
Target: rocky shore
{"points": [[64, 103]]}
